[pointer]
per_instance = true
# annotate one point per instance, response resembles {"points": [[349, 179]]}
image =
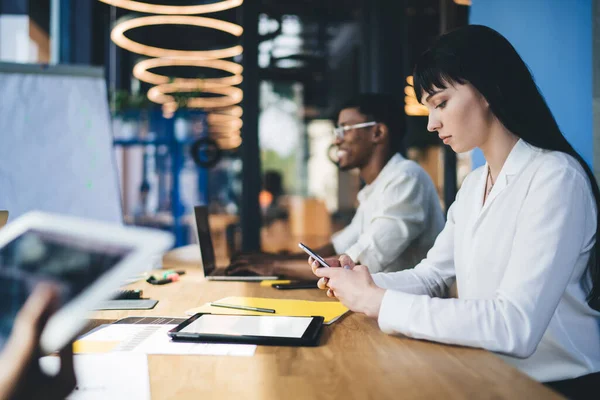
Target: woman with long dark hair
{"points": [[520, 239]]}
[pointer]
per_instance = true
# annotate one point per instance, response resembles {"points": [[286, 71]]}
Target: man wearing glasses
{"points": [[399, 214]]}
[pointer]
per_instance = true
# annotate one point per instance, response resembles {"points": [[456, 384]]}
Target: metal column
{"points": [[251, 172]]}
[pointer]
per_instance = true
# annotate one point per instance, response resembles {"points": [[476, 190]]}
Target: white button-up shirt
{"points": [[397, 220], [519, 263]]}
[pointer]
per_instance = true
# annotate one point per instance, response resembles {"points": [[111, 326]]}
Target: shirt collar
{"points": [[519, 157], [388, 169]]}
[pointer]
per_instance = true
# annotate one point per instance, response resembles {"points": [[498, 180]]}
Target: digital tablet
{"points": [[86, 260], [271, 330]]}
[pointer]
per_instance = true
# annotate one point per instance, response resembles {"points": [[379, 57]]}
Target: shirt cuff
{"points": [[363, 254], [378, 279], [394, 313], [338, 243], [355, 251]]}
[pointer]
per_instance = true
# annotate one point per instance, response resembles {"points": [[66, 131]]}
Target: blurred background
{"points": [[231, 103]]}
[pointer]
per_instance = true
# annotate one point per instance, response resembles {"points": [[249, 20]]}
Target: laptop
{"points": [[212, 272], [3, 218]]}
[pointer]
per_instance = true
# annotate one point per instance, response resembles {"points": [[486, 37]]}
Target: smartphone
{"points": [[296, 285], [314, 255]]}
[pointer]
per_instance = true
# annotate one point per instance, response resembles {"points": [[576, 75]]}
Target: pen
{"points": [[236, 307]]}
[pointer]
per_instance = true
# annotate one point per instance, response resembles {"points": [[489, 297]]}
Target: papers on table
{"points": [[115, 376], [151, 339]]}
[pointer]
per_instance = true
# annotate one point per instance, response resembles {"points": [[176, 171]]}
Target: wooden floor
{"points": [[355, 360]]}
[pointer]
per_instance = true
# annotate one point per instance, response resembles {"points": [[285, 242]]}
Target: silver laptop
{"points": [[212, 272]]}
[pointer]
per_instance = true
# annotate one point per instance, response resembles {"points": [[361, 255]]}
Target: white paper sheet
{"points": [[113, 376], [115, 332], [153, 339]]}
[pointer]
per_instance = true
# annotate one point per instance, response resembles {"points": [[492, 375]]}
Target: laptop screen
{"points": [[207, 252]]}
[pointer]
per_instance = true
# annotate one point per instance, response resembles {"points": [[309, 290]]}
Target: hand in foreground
{"points": [[334, 262], [22, 377], [331, 261], [353, 286], [340, 261]]}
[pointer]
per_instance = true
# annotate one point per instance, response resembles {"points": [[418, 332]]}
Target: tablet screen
{"points": [[71, 263], [249, 325]]}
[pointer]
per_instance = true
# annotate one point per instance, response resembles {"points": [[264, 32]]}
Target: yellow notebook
{"points": [[93, 346], [330, 310], [271, 283]]}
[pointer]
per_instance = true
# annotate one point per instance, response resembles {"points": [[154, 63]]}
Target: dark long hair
{"points": [[484, 58]]}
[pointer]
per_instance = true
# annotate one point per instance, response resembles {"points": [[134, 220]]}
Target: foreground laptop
{"points": [[211, 271]]}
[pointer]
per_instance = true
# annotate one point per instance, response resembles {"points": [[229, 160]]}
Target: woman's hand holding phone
{"points": [[343, 261]]}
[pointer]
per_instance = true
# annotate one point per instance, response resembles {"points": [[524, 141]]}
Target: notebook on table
{"points": [[331, 311]]}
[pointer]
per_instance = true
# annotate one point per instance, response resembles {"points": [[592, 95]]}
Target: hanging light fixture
{"points": [[227, 95], [149, 8], [118, 36], [224, 118], [412, 106], [229, 143], [141, 71]]}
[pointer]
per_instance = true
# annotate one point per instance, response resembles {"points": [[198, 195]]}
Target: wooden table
{"points": [[355, 360]]}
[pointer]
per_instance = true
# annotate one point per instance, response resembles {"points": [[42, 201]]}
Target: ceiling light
{"points": [[140, 71], [118, 36], [179, 10], [229, 95], [412, 106], [235, 111], [224, 135], [229, 143], [232, 123]]}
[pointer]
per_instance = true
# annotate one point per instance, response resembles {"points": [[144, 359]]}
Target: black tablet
{"points": [[253, 329]]}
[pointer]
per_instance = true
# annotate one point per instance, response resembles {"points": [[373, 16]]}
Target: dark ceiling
{"points": [[330, 55], [316, 10]]}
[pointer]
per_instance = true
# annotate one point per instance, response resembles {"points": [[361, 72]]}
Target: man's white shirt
{"points": [[519, 263], [397, 220]]}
